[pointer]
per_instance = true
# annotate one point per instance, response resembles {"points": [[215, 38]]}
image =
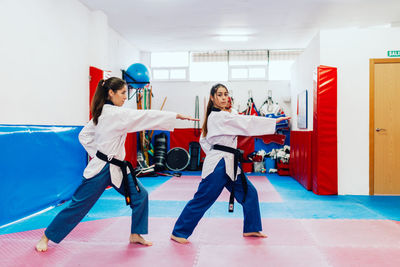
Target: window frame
{"points": [[169, 69], [248, 67], [230, 67]]}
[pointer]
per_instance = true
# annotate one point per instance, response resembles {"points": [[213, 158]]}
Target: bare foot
{"points": [[136, 238], [42, 244], [179, 239], [255, 234]]}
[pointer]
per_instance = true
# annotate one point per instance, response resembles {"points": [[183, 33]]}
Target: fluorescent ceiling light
{"points": [[233, 38], [380, 26]]}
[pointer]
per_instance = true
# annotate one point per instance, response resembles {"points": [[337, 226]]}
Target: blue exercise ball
{"points": [[138, 76]]}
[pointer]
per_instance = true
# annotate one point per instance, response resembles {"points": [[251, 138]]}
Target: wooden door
{"points": [[385, 126]]}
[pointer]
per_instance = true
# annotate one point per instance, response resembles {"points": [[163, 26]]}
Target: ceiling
{"points": [[195, 25]]}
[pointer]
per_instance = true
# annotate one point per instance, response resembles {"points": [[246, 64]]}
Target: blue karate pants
{"points": [[207, 193], [86, 196]]}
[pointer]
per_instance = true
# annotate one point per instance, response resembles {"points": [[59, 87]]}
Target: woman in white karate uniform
{"points": [[104, 138], [220, 169]]}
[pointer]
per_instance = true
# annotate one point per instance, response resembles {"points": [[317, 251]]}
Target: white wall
{"points": [[302, 79], [349, 50], [97, 37], [46, 49], [181, 95], [121, 54]]}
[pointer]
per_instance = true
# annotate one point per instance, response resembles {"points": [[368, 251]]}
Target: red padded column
{"points": [[324, 137]]}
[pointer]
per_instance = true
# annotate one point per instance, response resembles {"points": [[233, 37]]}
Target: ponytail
{"points": [[204, 129], [210, 105], [101, 95]]}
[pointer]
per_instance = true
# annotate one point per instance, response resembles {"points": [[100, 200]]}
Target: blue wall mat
{"points": [[259, 144], [40, 167]]}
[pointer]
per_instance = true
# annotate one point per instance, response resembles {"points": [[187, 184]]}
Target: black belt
{"points": [[238, 157], [123, 164]]}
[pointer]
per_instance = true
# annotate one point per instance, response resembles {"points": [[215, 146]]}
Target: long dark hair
{"points": [[101, 95], [210, 104]]}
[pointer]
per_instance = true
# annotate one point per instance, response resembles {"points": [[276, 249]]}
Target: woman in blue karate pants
{"points": [[221, 169], [103, 138]]}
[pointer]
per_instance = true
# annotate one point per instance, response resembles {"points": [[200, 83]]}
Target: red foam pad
{"points": [[184, 188], [108, 247], [354, 232], [359, 256], [324, 166], [215, 242], [260, 256], [280, 232]]}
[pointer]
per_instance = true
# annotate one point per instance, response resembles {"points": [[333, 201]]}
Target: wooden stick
{"points": [[165, 99]]}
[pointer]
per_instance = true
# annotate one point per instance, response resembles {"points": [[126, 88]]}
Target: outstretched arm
{"points": [[140, 120], [278, 120], [224, 123], [185, 117]]}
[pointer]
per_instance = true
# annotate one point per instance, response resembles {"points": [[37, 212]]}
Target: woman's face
{"points": [[220, 99], [118, 97]]}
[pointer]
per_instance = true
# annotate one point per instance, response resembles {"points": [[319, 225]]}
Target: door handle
{"points": [[380, 129]]}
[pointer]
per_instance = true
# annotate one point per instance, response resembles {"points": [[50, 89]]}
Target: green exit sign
{"points": [[395, 53]]}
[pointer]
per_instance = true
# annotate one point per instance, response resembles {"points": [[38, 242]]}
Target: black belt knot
{"points": [[238, 157], [123, 164]]}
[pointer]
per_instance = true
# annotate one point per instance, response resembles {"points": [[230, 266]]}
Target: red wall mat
{"points": [[300, 157], [246, 143], [272, 138], [95, 76], [324, 137], [131, 148], [182, 138]]}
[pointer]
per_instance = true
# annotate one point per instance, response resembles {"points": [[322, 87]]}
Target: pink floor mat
{"points": [[215, 242], [183, 189]]}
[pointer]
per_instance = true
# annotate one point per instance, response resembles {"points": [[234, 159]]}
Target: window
{"points": [[248, 57], [239, 73], [161, 74], [248, 65], [209, 66], [280, 62], [170, 74], [169, 59], [257, 72], [248, 73], [170, 66], [177, 74], [223, 65]]}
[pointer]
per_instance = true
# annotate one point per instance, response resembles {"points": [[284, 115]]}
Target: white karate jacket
{"points": [[109, 135], [223, 129]]}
